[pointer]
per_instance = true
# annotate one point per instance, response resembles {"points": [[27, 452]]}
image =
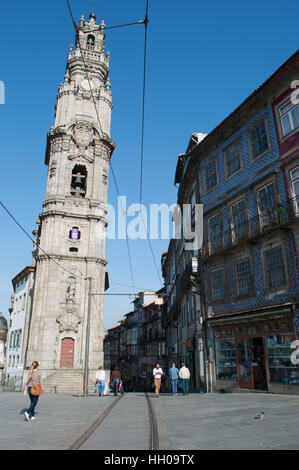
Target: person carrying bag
{"points": [[34, 388]]}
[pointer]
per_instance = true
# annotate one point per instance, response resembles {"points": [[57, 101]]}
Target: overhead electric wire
{"points": [[142, 136], [127, 240], [100, 316], [128, 285], [104, 27], [123, 25], [98, 119], [51, 258], [34, 242], [143, 101], [120, 293], [145, 22]]}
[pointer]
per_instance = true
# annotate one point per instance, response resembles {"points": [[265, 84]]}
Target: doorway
{"points": [[67, 353], [251, 363], [244, 363], [258, 363]]}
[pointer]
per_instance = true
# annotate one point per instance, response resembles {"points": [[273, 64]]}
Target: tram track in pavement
{"points": [[84, 437], [153, 443], [154, 433]]}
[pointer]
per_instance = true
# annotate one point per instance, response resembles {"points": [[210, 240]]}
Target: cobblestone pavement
{"points": [[203, 422]]}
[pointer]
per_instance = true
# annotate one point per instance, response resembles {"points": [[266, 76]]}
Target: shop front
{"points": [[255, 354]]}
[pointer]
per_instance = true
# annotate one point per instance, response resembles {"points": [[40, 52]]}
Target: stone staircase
{"points": [[67, 381]]}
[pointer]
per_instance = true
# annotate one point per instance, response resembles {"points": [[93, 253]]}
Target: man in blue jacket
{"points": [[174, 376]]}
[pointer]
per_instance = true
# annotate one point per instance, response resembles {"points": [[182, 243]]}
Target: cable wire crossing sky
{"points": [[196, 74]]}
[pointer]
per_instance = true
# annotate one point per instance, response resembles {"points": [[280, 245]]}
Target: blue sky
{"points": [[204, 59]]}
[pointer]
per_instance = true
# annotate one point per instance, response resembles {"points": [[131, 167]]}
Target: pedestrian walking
{"points": [[34, 388], [157, 373], [174, 378], [100, 380], [121, 388], [184, 375], [115, 379]]}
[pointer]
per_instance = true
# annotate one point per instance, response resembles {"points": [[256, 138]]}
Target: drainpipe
{"points": [[203, 305], [292, 233]]}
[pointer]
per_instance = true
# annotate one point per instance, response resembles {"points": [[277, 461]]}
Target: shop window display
{"points": [[279, 353], [226, 359]]}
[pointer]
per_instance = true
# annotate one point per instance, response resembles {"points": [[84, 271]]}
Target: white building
{"points": [[3, 336], [19, 315]]}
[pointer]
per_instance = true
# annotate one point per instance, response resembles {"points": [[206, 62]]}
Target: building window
{"points": [[11, 339], [289, 117], [279, 352], [15, 339], [233, 159], [244, 280], [211, 177], [74, 234], [19, 338], [217, 284], [275, 268], [225, 359], [259, 140], [266, 204], [215, 232], [295, 186], [238, 220]]}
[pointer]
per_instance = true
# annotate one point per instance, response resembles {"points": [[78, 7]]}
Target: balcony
{"points": [[184, 282], [280, 216], [173, 312]]}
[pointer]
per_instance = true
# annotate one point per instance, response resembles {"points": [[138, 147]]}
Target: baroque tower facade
{"points": [[72, 227]]}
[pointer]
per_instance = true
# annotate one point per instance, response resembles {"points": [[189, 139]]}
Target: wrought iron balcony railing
{"points": [[184, 283], [173, 312], [279, 216]]}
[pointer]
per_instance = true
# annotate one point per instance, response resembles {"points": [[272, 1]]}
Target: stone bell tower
{"points": [[72, 227]]}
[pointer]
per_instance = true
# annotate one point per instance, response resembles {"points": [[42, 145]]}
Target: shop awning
{"points": [[275, 312]]}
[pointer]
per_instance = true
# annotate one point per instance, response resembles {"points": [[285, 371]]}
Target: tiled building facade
{"points": [[245, 175]]}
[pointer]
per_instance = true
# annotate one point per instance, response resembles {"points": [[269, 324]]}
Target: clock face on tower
{"points": [[87, 85]]}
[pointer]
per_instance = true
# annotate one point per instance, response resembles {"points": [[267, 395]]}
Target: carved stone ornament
{"points": [[71, 201], [82, 157], [83, 134], [69, 320], [53, 167]]}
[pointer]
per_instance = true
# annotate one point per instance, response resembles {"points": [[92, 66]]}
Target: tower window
{"points": [[78, 183], [90, 40], [75, 234]]}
